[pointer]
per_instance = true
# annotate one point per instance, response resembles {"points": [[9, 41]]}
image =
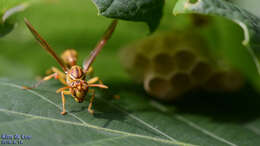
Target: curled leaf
{"points": [[7, 9], [249, 23], [149, 11]]}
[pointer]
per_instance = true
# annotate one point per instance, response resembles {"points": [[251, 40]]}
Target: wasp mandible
{"points": [[73, 76]]}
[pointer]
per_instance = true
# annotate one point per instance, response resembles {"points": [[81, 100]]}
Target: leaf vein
{"points": [[98, 128], [142, 122], [253, 129], [105, 129], [44, 98], [120, 109], [103, 140], [195, 126], [17, 121]]}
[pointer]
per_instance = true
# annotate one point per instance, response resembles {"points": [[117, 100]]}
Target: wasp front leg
{"points": [[54, 75], [94, 80], [63, 101], [57, 74], [90, 110], [61, 75]]}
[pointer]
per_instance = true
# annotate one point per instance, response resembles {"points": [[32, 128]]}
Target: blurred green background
{"points": [[64, 24], [69, 24]]}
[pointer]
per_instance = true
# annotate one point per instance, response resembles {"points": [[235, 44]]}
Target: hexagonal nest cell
{"points": [[163, 64], [171, 64], [184, 59]]}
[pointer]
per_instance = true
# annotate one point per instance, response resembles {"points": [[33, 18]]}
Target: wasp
{"points": [[72, 75]]}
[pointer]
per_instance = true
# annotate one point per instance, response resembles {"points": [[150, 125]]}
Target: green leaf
{"points": [[149, 11], [40, 110], [7, 9], [5, 28], [130, 120], [249, 23]]}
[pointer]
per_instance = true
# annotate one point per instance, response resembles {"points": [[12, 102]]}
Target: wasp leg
{"points": [[94, 80], [54, 75], [98, 85], [62, 89], [63, 101], [91, 111], [62, 76]]}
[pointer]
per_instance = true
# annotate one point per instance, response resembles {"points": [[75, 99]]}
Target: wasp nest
{"points": [[171, 64]]}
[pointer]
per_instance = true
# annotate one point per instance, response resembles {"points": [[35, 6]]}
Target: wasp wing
{"points": [[44, 44], [87, 62]]}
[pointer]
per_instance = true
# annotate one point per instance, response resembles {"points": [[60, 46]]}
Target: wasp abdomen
{"points": [[70, 57]]}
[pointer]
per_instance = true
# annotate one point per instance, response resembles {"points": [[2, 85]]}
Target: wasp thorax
{"points": [[76, 73], [70, 57]]}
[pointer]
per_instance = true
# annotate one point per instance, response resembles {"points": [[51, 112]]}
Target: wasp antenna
{"points": [[87, 63], [44, 44]]}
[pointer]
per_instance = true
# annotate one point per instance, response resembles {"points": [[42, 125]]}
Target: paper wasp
{"points": [[73, 76]]}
